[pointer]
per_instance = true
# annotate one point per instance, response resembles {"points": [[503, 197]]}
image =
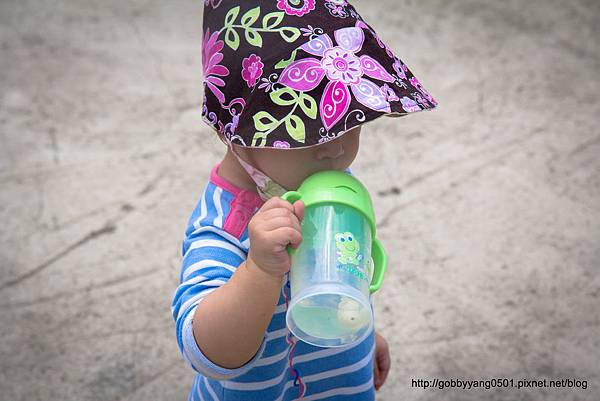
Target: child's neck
{"points": [[231, 170]]}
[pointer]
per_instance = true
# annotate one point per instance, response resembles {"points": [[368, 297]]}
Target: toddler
{"points": [[287, 86]]}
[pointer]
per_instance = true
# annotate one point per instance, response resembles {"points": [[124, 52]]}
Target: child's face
{"points": [[289, 167]]}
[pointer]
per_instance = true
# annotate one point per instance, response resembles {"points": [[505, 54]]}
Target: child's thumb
{"points": [[299, 209]]}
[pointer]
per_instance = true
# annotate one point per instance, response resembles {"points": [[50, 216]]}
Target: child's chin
{"points": [[339, 165]]}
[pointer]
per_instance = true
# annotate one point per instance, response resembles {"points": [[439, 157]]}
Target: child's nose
{"points": [[330, 150]]}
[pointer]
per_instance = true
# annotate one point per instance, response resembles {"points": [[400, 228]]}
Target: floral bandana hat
{"points": [[296, 73]]}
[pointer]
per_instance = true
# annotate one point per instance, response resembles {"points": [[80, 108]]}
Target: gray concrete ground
{"points": [[494, 236]]}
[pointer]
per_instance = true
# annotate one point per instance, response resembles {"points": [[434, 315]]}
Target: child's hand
{"points": [[275, 226]]}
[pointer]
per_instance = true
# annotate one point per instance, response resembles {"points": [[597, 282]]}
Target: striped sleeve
{"points": [[209, 261]]}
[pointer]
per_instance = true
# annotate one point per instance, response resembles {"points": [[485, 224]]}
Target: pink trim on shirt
{"points": [[244, 204]]}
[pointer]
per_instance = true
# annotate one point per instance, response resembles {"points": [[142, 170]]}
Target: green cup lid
{"points": [[333, 186]]}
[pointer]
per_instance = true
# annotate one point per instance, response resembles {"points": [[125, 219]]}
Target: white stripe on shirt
{"points": [[363, 362], [203, 209], [324, 353], [277, 334], [210, 390], [270, 360], [199, 279], [340, 391], [218, 221], [219, 231], [216, 243], [261, 385], [206, 264], [194, 300], [199, 390]]}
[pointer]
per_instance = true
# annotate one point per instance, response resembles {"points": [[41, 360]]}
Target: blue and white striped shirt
{"points": [[216, 243]]}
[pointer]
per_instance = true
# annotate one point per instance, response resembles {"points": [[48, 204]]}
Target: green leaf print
{"points": [[284, 63], [259, 139], [231, 16], [253, 37], [232, 38], [265, 123], [277, 16], [308, 105], [260, 123], [295, 127], [253, 33], [289, 33], [250, 17], [277, 96]]}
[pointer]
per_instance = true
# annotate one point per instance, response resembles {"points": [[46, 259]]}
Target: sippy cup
{"points": [[338, 264]]}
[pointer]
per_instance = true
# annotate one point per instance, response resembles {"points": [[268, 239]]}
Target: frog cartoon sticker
{"points": [[347, 248], [349, 257]]}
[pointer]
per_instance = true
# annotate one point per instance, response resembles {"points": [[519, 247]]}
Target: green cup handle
{"points": [[291, 196], [379, 265]]}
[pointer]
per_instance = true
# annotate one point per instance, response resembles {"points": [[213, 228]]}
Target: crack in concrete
{"points": [[149, 379], [584, 145], [109, 228], [89, 288], [383, 222], [152, 184]]}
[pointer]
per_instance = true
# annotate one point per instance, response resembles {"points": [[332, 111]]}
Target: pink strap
{"points": [[265, 186], [244, 204]]}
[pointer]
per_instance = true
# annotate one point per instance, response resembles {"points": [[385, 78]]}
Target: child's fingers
{"points": [[376, 375], [275, 202], [384, 367], [276, 212], [287, 235], [288, 220]]}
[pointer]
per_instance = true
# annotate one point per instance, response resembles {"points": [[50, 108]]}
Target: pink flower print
{"points": [[421, 101], [409, 105], [213, 3], [361, 24], [212, 70], [296, 7], [400, 69], [266, 84], [389, 93], [337, 8], [343, 68], [334, 103], [341, 65], [309, 30], [415, 82], [281, 144], [252, 69]]}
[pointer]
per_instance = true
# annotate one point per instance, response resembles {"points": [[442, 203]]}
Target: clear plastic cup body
{"points": [[330, 276]]}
